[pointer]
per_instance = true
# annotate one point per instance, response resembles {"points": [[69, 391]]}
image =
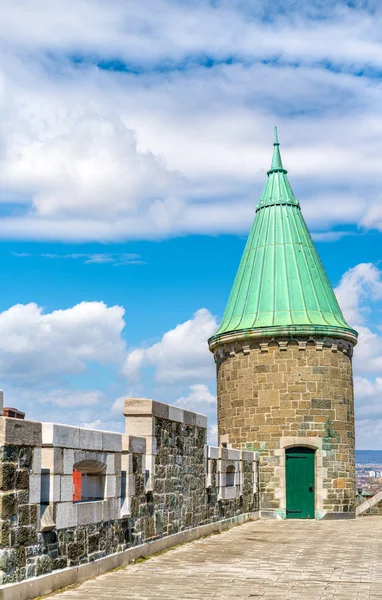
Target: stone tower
{"points": [[284, 365]]}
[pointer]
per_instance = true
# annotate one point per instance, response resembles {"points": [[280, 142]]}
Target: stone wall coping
{"points": [[218, 452], [80, 438], [144, 407], [20, 432]]}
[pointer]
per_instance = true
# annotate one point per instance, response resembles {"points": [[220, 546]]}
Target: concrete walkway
{"points": [[264, 559]]}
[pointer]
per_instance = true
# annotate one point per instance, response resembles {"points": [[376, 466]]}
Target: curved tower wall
{"points": [[274, 394]]}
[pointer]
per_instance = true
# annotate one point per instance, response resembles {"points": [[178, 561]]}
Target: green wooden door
{"points": [[299, 483]]}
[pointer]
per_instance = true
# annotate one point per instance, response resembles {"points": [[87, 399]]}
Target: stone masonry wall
{"points": [[275, 394], [182, 487]]}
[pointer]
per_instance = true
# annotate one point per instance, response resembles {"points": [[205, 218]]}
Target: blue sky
{"points": [[134, 144]]}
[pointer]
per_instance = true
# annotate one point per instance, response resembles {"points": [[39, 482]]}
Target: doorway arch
{"points": [[300, 484]]}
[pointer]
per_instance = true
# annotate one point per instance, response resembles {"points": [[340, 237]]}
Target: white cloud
{"points": [[36, 344], [117, 259], [170, 146], [369, 434], [96, 424], [199, 399], [360, 283], [181, 355]]}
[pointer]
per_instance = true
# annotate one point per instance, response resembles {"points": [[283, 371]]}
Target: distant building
{"points": [[13, 412]]}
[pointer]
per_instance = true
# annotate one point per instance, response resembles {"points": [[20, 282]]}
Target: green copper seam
{"points": [[296, 265], [323, 290], [287, 278]]}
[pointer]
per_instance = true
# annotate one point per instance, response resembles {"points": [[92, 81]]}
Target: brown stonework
{"points": [[270, 393]]}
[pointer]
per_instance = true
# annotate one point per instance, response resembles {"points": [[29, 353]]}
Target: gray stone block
{"points": [[110, 464], [55, 488], [89, 512], [17, 432], [111, 442], [189, 418], [34, 489], [134, 444], [36, 461], [201, 421], [68, 461], [111, 509], [111, 486], [250, 456], [64, 436], [66, 515], [175, 414], [90, 439], [213, 452], [66, 493]]}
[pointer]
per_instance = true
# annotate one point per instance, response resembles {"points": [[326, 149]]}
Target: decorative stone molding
{"points": [[247, 346]]}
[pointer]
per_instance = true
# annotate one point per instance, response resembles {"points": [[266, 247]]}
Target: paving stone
{"points": [[289, 560]]}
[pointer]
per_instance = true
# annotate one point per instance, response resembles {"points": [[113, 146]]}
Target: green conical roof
{"points": [[281, 286]]}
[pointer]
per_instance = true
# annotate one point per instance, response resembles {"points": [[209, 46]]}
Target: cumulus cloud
{"points": [[36, 344], [161, 123], [360, 283], [199, 399], [181, 355]]}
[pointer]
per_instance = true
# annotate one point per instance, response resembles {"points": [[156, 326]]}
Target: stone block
{"points": [[66, 515], [145, 407], [321, 403], [130, 485], [233, 454], [175, 414], [134, 444], [55, 488], [34, 489], [189, 418], [201, 421], [111, 486], [111, 509], [89, 512], [17, 432], [68, 461], [117, 463], [47, 522], [110, 464], [7, 476], [63, 436], [140, 426], [111, 442], [36, 461], [269, 398], [90, 439], [8, 504], [66, 492], [213, 452], [51, 458]]}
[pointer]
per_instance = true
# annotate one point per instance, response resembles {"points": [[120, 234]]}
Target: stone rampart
{"points": [[70, 496]]}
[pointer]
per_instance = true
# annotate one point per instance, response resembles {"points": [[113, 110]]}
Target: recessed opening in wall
{"points": [[89, 480], [230, 476]]}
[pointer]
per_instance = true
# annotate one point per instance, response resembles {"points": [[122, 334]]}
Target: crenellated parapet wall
{"points": [[71, 496]]}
